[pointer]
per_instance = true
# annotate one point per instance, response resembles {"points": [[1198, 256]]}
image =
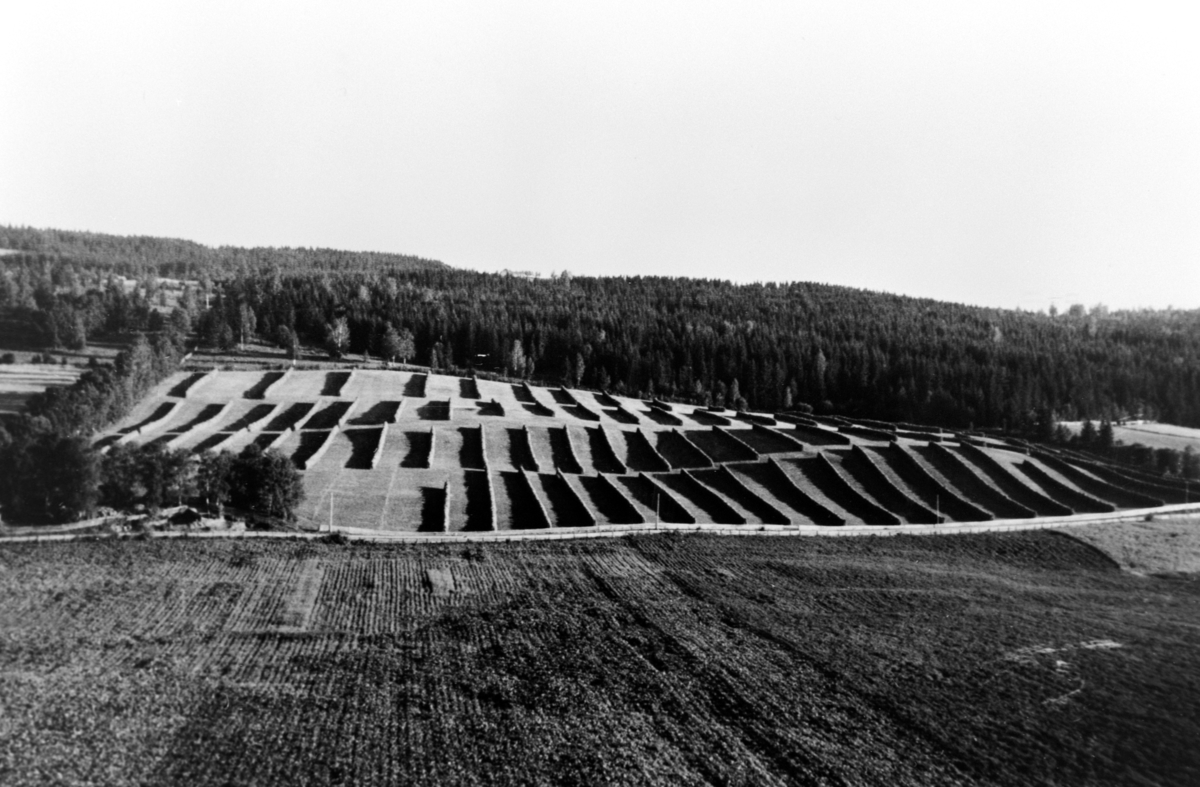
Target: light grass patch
{"points": [[1166, 545]]}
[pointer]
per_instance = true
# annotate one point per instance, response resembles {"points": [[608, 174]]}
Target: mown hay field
{"points": [[20, 381], [1165, 545], [443, 431], [1154, 435], [1010, 659]]}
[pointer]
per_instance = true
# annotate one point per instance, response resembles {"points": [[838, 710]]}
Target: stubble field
{"points": [[1021, 658]]}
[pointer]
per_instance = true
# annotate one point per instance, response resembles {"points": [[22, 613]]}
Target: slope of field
{"points": [[475, 439], [994, 659]]}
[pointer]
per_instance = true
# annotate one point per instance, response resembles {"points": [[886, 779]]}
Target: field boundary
{"points": [[614, 531]]}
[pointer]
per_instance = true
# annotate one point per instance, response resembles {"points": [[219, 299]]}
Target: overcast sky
{"points": [[997, 153]]}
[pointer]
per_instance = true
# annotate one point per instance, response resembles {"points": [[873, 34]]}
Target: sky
{"points": [[1005, 154]]}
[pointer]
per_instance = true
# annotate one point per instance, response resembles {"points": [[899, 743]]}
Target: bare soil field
{"points": [[1013, 659], [329, 421]]}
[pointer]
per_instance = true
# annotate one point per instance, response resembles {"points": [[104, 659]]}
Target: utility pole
{"points": [[937, 506], [657, 498], [330, 510]]}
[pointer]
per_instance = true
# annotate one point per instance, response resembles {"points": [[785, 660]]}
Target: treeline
{"points": [[63, 304], [761, 346], [1099, 439], [49, 470], [149, 477], [140, 257]]}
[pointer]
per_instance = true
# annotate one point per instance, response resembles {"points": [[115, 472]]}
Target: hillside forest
{"points": [[768, 347], [760, 346]]}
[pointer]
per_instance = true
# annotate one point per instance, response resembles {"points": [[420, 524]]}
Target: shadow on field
{"points": [[253, 415], [259, 389], [479, 506], [701, 497], [565, 508], [467, 388], [329, 416], [182, 388], [415, 387], [622, 415], [603, 458], [210, 442], [363, 443], [661, 417], [310, 443], [380, 413], [776, 482], [640, 455], [708, 419], [679, 452], [649, 495], [526, 510], [470, 454], [419, 446], [606, 400], [433, 509], [159, 412], [334, 382], [609, 502], [289, 417], [581, 412], [434, 411], [561, 453], [265, 439], [491, 408], [209, 412], [520, 453]]}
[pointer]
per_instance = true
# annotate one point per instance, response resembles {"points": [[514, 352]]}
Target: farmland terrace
{"points": [[403, 452]]}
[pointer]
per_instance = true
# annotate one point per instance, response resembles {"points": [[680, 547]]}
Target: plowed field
{"points": [[1014, 659]]}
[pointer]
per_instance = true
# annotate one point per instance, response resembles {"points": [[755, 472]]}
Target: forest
{"points": [[760, 346], [49, 469]]}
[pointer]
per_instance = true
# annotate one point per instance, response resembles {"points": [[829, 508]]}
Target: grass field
{"points": [[19, 381], [1025, 658], [1165, 545], [1150, 434]]}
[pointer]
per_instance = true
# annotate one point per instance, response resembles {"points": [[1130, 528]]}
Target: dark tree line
{"points": [[150, 476], [1099, 439], [140, 257], [766, 347], [49, 470]]}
